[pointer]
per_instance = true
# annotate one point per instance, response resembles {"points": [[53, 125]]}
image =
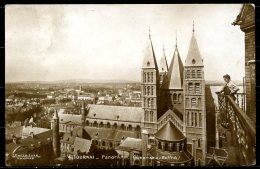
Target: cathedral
{"points": [[169, 129], [174, 123]]}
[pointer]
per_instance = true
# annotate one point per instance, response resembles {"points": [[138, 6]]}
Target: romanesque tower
{"points": [[194, 117], [163, 68], [56, 137], [150, 86]]}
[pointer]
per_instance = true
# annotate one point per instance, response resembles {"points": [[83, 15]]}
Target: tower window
{"points": [[197, 88], [190, 87], [199, 102], [144, 77], [193, 61], [198, 142], [192, 115], [193, 73], [199, 73], [151, 103], [152, 90], [188, 74], [200, 120], [193, 102], [148, 63], [146, 116], [145, 90], [196, 119], [148, 77], [144, 102], [188, 118], [151, 116], [148, 90], [152, 77]]}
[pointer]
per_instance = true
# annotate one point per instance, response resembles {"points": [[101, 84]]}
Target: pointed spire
{"points": [[193, 57], [163, 62], [175, 73], [149, 60]]}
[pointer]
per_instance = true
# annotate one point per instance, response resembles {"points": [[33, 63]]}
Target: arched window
{"points": [[190, 87], [188, 118], [101, 124], [199, 103], [103, 143], [193, 74], [166, 147], [122, 127], [87, 123], [129, 127], [195, 119], [144, 90], [151, 116], [200, 125], [144, 77], [108, 125], [199, 73], [179, 97], [192, 115], [152, 77], [115, 126], [188, 74], [159, 146], [151, 102], [197, 88], [174, 96], [152, 90], [144, 102], [110, 144], [146, 116], [193, 102], [148, 90], [138, 128], [198, 142], [174, 147], [95, 124], [148, 77]]}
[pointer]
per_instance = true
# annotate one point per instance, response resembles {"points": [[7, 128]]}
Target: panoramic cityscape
{"points": [[102, 86]]}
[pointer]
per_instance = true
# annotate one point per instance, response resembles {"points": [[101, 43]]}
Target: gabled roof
{"points": [[163, 63], [81, 132], [149, 60], [81, 145], [122, 113], [175, 73], [169, 133], [193, 57], [130, 144]]}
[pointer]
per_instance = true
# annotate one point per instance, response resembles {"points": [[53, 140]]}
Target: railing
{"points": [[241, 126]]}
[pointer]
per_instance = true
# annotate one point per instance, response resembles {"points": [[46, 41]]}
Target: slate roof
{"points": [[107, 112], [130, 144], [193, 53], [169, 133], [81, 145], [149, 60], [163, 63], [175, 74]]}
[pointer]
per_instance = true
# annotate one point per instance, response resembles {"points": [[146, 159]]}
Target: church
{"points": [[175, 126]]}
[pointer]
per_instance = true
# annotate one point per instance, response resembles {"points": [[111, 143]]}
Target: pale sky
{"points": [[106, 42]]}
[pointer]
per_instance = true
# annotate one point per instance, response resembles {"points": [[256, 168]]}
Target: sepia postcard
{"points": [[130, 85]]}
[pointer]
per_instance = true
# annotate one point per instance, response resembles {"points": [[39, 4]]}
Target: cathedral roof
{"points": [[122, 113], [163, 63], [81, 132], [169, 133], [131, 144], [175, 73], [149, 60], [193, 57]]}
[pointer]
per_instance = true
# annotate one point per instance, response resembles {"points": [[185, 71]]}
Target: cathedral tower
{"points": [[150, 87], [163, 69], [194, 117], [56, 137]]}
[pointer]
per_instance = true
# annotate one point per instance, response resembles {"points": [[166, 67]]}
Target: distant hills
{"points": [[78, 81]]}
